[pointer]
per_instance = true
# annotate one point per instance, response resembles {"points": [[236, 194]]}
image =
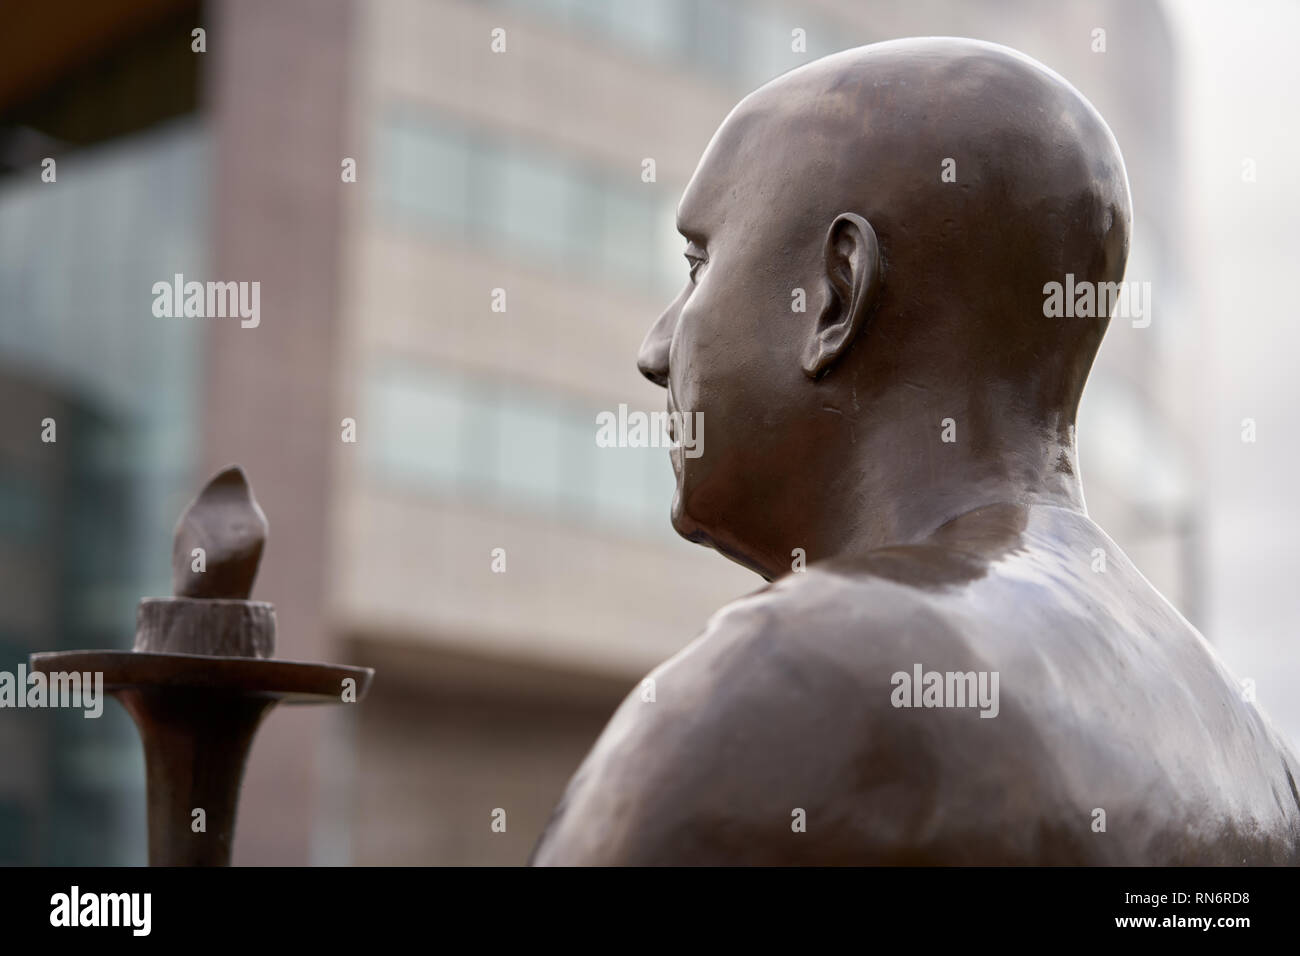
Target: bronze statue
{"points": [[955, 678]]}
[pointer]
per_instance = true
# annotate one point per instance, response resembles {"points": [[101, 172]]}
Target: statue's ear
{"points": [[852, 285]]}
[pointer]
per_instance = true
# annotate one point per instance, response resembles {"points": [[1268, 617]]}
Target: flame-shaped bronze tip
{"points": [[219, 540]]}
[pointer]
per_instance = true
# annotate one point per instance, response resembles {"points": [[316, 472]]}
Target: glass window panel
{"points": [[765, 47], [425, 172], [560, 10], [535, 199], [656, 29], [628, 236], [435, 176], [480, 464], [532, 451], [660, 485], [390, 150], [715, 38], [417, 428], [585, 244], [577, 436], [670, 268], [529, 450], [620, 493]]}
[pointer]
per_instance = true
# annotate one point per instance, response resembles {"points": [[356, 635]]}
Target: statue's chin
{"points": [[684, 523], [691, 526], [693, 531]]}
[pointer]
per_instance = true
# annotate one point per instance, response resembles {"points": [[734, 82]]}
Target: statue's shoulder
{"points": [[806, 724], [773, 737], [836, 633], [860, 610]]}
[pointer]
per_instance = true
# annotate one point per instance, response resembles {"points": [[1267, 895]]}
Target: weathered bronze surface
{"points": [[1119, 737], [199, 680], [226, 523]]}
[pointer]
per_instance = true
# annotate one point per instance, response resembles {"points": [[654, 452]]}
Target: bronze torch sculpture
{"points": [[201, 676]]}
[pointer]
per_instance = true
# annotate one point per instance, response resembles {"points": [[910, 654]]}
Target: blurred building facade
{"points": [[483, 178]]}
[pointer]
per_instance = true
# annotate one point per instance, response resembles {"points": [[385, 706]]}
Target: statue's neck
{"points": [[906, 476]]}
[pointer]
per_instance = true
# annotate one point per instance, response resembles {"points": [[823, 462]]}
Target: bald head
{"points": [[1037, 188], [870, 238]]}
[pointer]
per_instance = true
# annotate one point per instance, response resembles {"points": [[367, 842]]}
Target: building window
{"points": [[499, 444], [464, 186]]}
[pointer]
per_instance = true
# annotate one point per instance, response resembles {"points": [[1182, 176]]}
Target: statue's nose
{"points": [[653, 357]]}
